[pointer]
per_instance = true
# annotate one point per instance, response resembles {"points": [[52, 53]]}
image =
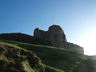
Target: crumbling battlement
{"points": [[56, 36]]}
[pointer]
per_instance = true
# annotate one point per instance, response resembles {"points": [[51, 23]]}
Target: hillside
{"points": [[46, 51], [58, 60], [16, 59], [55, 37]]}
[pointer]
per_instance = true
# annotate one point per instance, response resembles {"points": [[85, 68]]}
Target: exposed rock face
{"points": [[55, 35]]}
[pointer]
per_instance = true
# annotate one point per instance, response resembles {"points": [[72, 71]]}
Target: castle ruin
{"points": [[55, 35]]}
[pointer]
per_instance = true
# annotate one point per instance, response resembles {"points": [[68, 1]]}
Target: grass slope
{"points": [[25, 64], [16, 59], [58, 59], [55, 58]]}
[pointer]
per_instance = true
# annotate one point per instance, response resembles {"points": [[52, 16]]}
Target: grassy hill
{"points": [[16, 59], [57, 59]]}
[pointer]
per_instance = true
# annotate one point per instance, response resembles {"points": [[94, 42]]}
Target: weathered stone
{"points": [[74, 47], [55, 35], [39, 34]]}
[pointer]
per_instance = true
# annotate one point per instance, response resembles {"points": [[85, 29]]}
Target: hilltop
{"points": [[55, 37], [46, 51]]}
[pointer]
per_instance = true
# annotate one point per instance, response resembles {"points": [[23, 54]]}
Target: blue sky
{"points": [[76, 17]]}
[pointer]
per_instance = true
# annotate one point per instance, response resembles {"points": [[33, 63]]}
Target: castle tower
{"points": [[56, 36]]}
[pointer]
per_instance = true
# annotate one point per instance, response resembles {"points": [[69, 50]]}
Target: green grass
{"points": [[53, 57], [57, 59], [25, 64], [17, 59], [86, 65], [27, 67], [52, 69]]}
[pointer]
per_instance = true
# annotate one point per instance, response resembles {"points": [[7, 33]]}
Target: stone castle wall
{"points": [[55, 35]]}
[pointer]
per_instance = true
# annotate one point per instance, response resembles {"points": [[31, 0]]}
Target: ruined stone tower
{"points": [[55, 35]]}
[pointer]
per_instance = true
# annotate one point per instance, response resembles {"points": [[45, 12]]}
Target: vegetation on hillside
{"points": [[16, 59], [53, 59]]}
